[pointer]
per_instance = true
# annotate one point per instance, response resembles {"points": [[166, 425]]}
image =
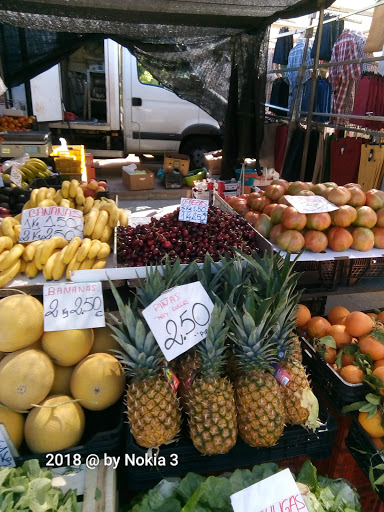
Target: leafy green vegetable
{"points": [[308, 476], [29, 488]]}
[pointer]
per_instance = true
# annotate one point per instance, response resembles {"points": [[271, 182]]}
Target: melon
{"points": [[21, 322], [14, 423], [68, 347], [97, 381], [61, 382], [57, 424], [103, 341], [26, 377]]}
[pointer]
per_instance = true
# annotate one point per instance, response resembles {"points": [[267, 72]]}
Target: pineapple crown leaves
{"points": [[212, 348], [212, 276], [161, 278]]}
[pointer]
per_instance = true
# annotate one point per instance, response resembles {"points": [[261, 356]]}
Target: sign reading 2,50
{"points": [[200, 318]]}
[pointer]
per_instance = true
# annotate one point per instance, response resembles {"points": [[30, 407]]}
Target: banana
{"points": [[1, 231], [65, 189], [123, 217], [41, 194], [73, 265], [47, 202], [70, 249], [102, 222], [83, 250], [11, 272], [37, 255], [72, 203], [114, 217], [79, 198], [23, 266], [58, 196], [13, 255], [3, 255], [38, 162], [94, 250], [104, 251], [27, 205], [88, 204], [18, 218], [100, 264], [7, 228], [59, 266], [73, 188], [96, 203], [50, 194], [51, 263], [56, 242], [16, 230], [33, 197], [65, 202], [90, 221], [27, 173], [86, 264], [6, 242], [30, 249], [107, 233], [31, 270]]}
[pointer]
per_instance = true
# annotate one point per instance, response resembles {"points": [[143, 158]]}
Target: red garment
{"points": [[280, 142], [369, 99], [345, 160]]}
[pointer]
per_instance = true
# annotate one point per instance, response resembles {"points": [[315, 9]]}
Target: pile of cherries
{"points": [[190, 241]]}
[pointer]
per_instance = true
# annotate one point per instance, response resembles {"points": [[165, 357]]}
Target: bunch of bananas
{"points": [[34, 168], [10, 250]]}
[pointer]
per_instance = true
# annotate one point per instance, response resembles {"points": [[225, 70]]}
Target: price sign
{"points": [[276, 493], [73, 306], [179, 318], [193, 210], [6, 457], [16, 177], [47, 221], [311, 204], [1, 181]]}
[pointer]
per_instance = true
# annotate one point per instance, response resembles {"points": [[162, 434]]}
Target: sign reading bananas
{"points": [[45, 222]]}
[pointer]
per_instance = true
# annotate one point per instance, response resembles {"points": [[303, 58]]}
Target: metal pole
{"points": [[313, 91]]}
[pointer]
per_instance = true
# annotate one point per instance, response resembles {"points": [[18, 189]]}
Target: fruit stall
{"points": [[182, 346]]}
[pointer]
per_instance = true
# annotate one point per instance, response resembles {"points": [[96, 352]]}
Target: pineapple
{"points": [[153, 410], [212, 410], [187, 367], [258, 394]]}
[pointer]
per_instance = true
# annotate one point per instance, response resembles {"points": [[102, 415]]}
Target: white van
{"points": [[121, 108]]}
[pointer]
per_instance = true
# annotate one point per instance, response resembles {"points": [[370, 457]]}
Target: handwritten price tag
{"points": [[6, 457], [276, 493], [193, 210], [15, 176], [179, 318], [311, 204], [48, 221], [73, 306]]}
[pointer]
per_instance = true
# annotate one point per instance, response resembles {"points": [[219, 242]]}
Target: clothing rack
{"points": [[331, 64]]}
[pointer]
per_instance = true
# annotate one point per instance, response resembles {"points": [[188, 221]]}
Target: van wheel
{"points": [[196, 146]]}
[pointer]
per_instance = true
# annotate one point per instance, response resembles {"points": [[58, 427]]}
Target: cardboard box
{"points": [[139, 181], [212, 161], [176, 161]]}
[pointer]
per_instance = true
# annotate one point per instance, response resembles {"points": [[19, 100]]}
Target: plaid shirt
{"points": [[350, 45], [295, 59]]}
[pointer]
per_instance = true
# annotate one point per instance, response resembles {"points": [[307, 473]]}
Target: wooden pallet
{"points": [[95, 487]]}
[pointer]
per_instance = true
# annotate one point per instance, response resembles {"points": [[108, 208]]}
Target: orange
{"points": [[372, 346], [340, 335], [336, 314], [358, 324], [372, 315], [380, 317], [371, 425], [347, 359], [379, 372], [303, 315], [330, 355], [351, 374], [377, 441], [317, 327], [378, 363]]}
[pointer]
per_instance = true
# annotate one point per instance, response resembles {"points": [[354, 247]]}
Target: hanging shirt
{"points": [[282, 48], [349, 46], [295, 59]]}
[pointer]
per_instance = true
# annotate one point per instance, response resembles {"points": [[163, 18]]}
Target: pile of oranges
{"points": [[16, 124], [350, 329]]}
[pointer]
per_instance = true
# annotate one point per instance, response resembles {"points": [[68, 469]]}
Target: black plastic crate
{"points": [[316, 305], [362, 268], [51, 182], [365, 453], [173, 180], [328, 381], [295, 441], [317, 275], [103, 434]]}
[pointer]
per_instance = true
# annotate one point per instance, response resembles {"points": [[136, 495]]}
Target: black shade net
{"points": [[210, 52]]}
